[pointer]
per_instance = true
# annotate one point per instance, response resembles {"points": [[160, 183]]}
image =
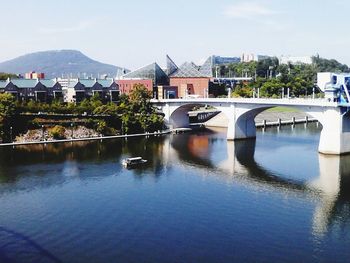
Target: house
{"points": [[80, 89]]}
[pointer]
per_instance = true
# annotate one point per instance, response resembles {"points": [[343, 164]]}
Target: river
{"points": [[198, 199]]}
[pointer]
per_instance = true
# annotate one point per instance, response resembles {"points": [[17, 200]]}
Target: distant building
{"points": [[167, 92], [32, 89], [126, 85], [152, 71], [193, 80], [80, 89], [295, 60], [246, 57], [34, 75], [217, 60]]}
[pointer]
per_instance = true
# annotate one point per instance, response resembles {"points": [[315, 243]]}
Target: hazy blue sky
{"points": [[132, 33]]}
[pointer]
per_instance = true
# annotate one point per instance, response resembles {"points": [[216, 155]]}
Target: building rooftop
{"points": [[3, 83], [152, 71], [25, 83], [48, 83], [191, 70]]}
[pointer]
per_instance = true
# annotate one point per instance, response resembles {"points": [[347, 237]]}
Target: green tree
{"points": [[140, 98], [57, 132], [7, 112], [5, 76]]}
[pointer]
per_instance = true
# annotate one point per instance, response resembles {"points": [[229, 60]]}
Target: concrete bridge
{"points": [[240, 112]]}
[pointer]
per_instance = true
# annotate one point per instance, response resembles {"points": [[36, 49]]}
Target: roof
{"points": [[3, 83], [207, 68], [25, 83], [48, 83], [106, 83], [170, 65], [152, 71], [188, 70], [88, 83]]}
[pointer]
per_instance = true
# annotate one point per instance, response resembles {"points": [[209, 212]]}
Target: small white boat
{"points": [[134, 161]]}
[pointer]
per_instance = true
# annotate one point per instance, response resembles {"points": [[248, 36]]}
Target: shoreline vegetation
{"points": [[133, 114]]}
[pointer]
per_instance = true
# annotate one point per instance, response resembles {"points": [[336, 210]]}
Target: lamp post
{"points": [[72, 125], [11, 134], [42, 132]]}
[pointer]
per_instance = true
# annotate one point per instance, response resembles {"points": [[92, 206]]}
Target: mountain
{"points": [[56, 63]]}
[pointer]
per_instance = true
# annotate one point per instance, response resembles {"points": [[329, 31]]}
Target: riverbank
{"points": [[266, 118], [86, 139]]}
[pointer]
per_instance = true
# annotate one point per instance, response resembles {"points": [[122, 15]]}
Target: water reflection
{"points": [[14, 245], [55, 164], [331, 189]]}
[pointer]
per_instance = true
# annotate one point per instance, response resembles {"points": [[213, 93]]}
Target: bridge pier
{"points": [[335, 135], [243, 128], [241, 123]]}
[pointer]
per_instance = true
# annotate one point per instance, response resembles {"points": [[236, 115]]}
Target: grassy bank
{"points": [[282, 109]]}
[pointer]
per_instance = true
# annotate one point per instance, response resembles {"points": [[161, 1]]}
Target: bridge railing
{"points": [[272, 101]]}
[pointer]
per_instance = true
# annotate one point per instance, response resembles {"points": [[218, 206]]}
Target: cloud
{"points": [[248, 10], [81, 26]]}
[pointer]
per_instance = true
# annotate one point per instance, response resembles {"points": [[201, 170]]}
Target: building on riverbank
{"points": [[42, 90], [126, 85], [192, 80], [80, 89], [142, 75]]}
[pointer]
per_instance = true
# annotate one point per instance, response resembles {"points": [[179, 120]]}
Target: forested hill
{"points": [[57, 62]]}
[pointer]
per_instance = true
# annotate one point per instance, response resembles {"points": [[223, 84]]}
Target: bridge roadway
{"points": [[335, 119]]}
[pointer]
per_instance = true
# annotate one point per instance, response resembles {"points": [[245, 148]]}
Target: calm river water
{"points": [[198, 199]]}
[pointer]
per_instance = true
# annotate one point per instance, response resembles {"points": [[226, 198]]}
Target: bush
{"points": [[57, 132], [101, 127]]}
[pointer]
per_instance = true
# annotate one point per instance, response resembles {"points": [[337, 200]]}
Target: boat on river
{"points": [[133, 162]]}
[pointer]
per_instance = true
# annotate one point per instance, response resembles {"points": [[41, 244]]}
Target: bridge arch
{"points": [[335, 134], [242, 121], [178, 117]]}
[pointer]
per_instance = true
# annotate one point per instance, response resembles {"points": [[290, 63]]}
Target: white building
{"points": [[249, 57], [295, 60]]}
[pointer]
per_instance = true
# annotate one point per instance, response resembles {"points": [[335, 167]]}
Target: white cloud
{"points": [[248, 10]]}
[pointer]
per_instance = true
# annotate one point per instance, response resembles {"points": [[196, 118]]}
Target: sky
{"points": [[133, 33]]}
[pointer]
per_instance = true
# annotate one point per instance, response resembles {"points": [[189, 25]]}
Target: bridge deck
{"points": [[262, 101]]}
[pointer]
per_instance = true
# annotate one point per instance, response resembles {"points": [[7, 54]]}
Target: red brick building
{"points": [[191, 86], [34, 75], [191, 80], [125, 85]]}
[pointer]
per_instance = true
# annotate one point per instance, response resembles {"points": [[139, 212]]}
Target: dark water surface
{"points": [[198, 199]]}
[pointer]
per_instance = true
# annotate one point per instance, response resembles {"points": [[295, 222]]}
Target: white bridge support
{"points": [[335, 134]]}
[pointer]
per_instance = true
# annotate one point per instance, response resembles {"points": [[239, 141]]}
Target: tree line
{"points": [[131, 114], [272, 78]]}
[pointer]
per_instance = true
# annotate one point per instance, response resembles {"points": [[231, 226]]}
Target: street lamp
{"points": [[42, 132], [71, 125], [11, 134]]}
